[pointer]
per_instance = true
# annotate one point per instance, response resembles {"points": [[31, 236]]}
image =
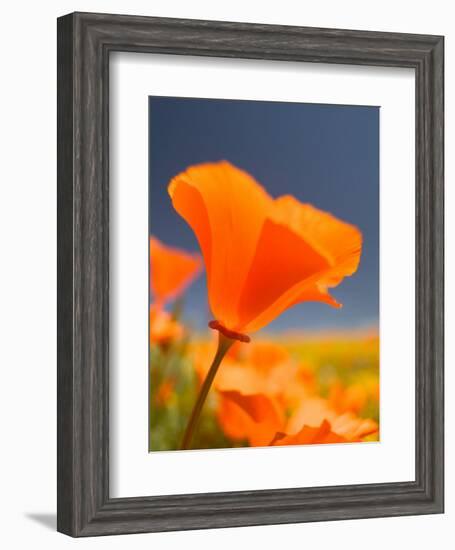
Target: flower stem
{"points": [[224, 343]]}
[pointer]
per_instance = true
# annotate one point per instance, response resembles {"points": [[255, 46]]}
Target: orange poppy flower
{"points": [[260, 420], [312, 412], [172, 270], [262, 255]]}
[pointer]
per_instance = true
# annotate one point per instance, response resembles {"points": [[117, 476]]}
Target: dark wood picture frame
{"points": [[85, 41]]}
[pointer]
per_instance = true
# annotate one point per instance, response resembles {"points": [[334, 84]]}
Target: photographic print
{"points": [[264, 274]]}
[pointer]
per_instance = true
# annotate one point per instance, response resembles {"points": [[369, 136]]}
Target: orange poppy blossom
{"points": [[171, 271], [312, 412], [260, 420], [261, 255]]}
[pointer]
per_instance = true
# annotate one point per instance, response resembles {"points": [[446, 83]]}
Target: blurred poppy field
{"points": [[264, 274], [311, 388]]}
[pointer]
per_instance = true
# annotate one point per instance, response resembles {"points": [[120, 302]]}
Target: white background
{"points": [[132, 469], [28, 274]]}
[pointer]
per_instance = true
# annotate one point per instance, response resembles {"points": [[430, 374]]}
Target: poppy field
{"points": [[276, 391]]}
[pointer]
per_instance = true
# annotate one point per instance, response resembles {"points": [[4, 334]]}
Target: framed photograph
{"points": [[250, 274]]}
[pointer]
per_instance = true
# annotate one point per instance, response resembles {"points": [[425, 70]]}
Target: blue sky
{"points": [[327, 155]]}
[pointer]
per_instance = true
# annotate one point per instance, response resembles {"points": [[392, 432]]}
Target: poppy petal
{"points": [[312, 412], [299, 256], [257, 420], [172, 270], [353, 427], [309, 436], [331, 237], [216, 199], [283, 268]]}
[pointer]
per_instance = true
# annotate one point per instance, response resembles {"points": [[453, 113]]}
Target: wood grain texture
{"points": [[84, 44]]}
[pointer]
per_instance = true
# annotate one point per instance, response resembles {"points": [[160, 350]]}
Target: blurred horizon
{"points": [[326, 155]]}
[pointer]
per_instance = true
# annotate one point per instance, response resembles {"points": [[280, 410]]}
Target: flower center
{"points": [[216, 325]]}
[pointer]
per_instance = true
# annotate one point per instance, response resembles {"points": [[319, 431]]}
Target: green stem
{"points": [[224, 343]]}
